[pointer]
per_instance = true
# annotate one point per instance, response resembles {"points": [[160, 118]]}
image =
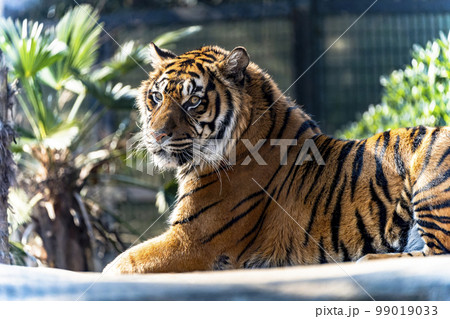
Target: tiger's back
{"points": [[280, 203]]}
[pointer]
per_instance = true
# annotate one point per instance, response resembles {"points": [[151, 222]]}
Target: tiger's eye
{"points": [[157, 97], [194, 100]]}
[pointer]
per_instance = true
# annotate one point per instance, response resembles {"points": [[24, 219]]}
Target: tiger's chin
{"points": [[164, 160], [163, 163]]}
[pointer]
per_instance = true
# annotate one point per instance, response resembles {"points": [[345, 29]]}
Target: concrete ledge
{"points": [[394, 279]]}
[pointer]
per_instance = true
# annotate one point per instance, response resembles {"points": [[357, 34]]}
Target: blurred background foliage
{"points": [[419, 94]]}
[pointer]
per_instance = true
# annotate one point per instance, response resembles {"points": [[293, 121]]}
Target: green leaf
{"points": [[174, 36], [419, 94]]}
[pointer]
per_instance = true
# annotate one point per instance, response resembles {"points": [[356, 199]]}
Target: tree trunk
{"points": [[64, 236], [7, 165]]}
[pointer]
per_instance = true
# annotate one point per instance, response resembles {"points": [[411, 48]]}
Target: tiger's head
{"points": [[191, 104]]}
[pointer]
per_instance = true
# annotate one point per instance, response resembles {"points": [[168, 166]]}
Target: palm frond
{"points": [[113, 96], [79, 30], [27, 48], [128, 57], [171, 37]]}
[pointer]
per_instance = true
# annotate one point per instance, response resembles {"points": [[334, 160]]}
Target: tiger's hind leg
{"points": [[432, 224], [428, 188], [414, 248], [431, 195]]}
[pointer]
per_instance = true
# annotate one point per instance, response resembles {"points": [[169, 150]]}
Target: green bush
{"points": [[416, 95]]}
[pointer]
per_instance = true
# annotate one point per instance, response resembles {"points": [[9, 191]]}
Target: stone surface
{"points": [[394, 279]]}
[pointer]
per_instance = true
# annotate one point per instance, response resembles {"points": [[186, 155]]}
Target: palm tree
{"points": [[63, 97]]}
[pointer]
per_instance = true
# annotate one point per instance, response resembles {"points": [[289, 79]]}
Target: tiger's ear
{"points": [[235, 64], [158, 56]]}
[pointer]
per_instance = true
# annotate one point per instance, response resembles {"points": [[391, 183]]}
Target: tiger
{"points": [[354, 200]]}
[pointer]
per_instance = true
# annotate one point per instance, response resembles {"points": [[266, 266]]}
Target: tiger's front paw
{"points": [[380, 256], [122, 264], [367, 258]]}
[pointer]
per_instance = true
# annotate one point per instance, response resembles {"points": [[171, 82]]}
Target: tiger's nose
{"points": [[159, 136]]}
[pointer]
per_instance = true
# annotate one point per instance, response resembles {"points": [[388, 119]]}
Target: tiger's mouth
{"points": [[197, 152], [168, 156]]}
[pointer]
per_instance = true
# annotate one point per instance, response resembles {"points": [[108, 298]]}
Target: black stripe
{"points": [[289, 174], [423, 200], [309, 124], [430, 225], [443, 157], [258, 226], [320, 169], [419, 137], [262, 217], [186, 63], [413, 132], [365, 236], [287, 115], [231, 223], [217, 108], [429, 150], [308, 168], [273, 176], [404, 229], [441, 219], [196, 190], [323, 259], [194, 216], [170, 64], [247, 199], [289, 251], [407, 192], [207, 174], [379, 173], [340, 161], [435, 182], [404, 205], [209, 55], [399, 164], [267, 92], [432, 236], [429, 208], [358, 164], [273, 116], [200, 67], [313, 215], [302, 128], [210, 86], [386, 139], [254, 228], [382, 212], [336, 217], [193, 74], [345, 252], [206, 60], [227, 120]]}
